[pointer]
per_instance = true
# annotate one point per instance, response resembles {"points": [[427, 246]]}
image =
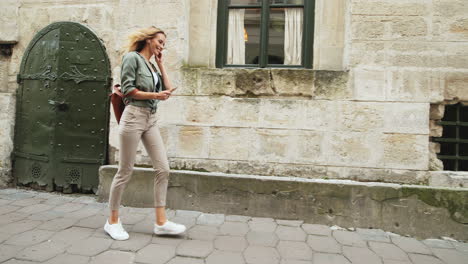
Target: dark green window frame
{"points": [[454, 140], [307, 41]]}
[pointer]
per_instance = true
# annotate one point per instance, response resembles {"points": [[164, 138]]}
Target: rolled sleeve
{"points": [[128, 74]]}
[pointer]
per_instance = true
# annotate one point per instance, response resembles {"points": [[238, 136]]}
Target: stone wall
{"points": [[363, 113]]}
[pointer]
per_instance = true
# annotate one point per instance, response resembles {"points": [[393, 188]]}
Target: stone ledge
{"points": [[419, 211]]}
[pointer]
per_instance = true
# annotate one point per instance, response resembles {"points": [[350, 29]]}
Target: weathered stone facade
{"points": [[382, 70]]}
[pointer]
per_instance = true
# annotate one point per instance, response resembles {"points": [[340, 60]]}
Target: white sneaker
{"points": [[169, 228], [116, 231]]}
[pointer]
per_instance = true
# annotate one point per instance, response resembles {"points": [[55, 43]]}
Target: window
{"points": [[454, 140], [265, 33]]}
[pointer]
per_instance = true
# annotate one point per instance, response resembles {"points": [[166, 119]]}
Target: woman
{"points": [[143, 88]]}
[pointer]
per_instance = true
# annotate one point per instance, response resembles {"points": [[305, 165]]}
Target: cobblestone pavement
{"points": [[40, 227]]}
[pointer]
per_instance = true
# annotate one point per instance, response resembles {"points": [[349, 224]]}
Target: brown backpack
{"points": [[117, 101]]}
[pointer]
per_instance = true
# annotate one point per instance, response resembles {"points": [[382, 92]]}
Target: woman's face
{"points": [[157, 44]]}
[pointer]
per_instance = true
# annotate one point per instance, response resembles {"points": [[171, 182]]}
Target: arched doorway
{"points": [[62, 114]]}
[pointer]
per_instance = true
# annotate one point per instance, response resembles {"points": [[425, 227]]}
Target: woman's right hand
{"points": [[164, 95]]}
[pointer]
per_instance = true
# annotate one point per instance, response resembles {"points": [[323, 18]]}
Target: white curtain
{"points": [[236, 42], [293, 36]]}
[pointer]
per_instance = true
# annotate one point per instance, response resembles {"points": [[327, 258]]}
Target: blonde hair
{"points": [[137, 40]]}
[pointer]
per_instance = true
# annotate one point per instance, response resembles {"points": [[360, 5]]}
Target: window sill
{"points": [[255, 82]]}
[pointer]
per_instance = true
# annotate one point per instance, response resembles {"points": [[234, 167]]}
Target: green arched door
{"points": [[62, 115]]}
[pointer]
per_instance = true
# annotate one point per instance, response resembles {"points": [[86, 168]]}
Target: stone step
{"points": [[420, 211]]}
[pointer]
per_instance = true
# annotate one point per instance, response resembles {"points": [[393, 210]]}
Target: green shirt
{"points": [[136, 74]]}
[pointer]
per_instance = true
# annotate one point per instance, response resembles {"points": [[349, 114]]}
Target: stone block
{"points": [[293, 81], [253, 82], [409, 27], [202, 110], [217, 82], [455, 86], [437, 111], [435, 130], [367, 28], [227, 257], [366, 53], [320, 115], [272, 145], [261, 255], [353, 148], [410, 118], [324, 258], [405, 151], [294, 250], [324, 244], [388, 251], [416, 86], [230, 243], [281, 113], [192, 142], [9, 29], [332, 85], [230, 143], [290, 233], [369, 84], [383, 8], [360, 117], [258, 238], [195, 248], [240, 112], [360, 255], [155, 254]]}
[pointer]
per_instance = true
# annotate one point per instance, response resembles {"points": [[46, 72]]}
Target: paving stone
{"points": [[373, 235], [225, 257], [319, 230], [46, 195], [230, 243], [19, 227], [210, 219], [19, 195], [293, 261], [323, 258], [412, 245], [186, 213], [34, 209], [58, 200], [185, 260], [262, 226], [234, 229], [237, 218], [58, 224], [155, 254], [195, 248], [4, 236], [388, 251], [136, 242], [11, 217], [463, 247], [5, 209], [188, 222], [168, 240], [85, 212], [261, 255], [267, 239], [46, 215], [291, 233], [85, 199], [424, 259], [359, 255], [41, 252], [390, 261], [294, 250], [69, 207], [29, 238], [8, 252], [7, 191], [5, 201], [27, 202], [90, 246], [132, 219], [323, 244], [450, 256], [94, 221], [68, 259], [17, 261], [349, 238], [293, 223], [71, 235], [438, 243], [146, 227], [201, 232], [114, 257]]}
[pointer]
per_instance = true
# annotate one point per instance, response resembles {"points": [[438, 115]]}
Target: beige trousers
{"points": [[139, 123]]}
